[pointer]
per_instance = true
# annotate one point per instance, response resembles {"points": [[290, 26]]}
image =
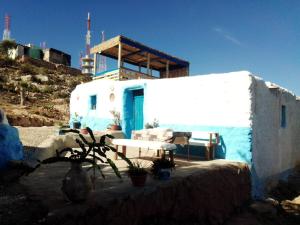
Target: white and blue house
{"points": [[258, 121]]}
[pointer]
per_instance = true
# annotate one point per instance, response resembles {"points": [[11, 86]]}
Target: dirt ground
{"points": [[20, 203]]}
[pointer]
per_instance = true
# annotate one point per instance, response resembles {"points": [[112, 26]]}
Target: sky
{"points": [[215, 36]]}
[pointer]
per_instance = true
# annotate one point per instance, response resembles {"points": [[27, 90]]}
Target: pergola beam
{"points": [[132, 53]]}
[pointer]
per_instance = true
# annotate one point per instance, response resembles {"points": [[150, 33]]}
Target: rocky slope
{"points": [[45, 88]]}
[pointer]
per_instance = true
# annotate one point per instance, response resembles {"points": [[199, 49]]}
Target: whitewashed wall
{"points": [[212, 100], [275, 149], [215, 102]]}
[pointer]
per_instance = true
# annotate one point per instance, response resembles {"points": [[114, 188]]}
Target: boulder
{"points": [[265, 208], [26, 78], [41, 78], [292, 206]]}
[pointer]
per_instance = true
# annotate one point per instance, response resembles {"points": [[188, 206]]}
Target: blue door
{"points": [[138, 109]]}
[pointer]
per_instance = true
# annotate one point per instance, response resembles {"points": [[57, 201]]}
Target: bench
{"points": [[151, 139], [209, 140]]}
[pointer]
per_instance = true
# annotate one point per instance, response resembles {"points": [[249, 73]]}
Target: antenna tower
{"points": [[88, 36], [6, 32], [102, 66], [87, 62], [80, 60]]}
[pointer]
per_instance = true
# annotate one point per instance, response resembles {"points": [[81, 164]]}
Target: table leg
{"points": [[207, 150], [124, 150], [157, 153], [212, 152], [116, 154], [171, 154]]}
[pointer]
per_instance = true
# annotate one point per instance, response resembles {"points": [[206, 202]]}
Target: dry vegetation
{"points": [[45, 92]]}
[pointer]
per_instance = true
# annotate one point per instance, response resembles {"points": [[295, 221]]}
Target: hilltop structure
{"points": [[48, 54]]}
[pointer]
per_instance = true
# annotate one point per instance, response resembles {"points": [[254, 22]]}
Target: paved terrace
{"points": [[198, 190]]}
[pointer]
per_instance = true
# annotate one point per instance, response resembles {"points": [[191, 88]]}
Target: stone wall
{"points": [[208, 195]]}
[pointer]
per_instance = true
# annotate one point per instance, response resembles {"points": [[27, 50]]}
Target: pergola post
{"points": [[120, 56], [167, 69], [148, 64], [95, 63]]}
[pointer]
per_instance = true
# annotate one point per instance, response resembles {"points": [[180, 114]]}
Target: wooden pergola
{"points": [[126, 50]]}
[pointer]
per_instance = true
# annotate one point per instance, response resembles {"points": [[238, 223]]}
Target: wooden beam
{"points": [[105, 45], [120, 56], [132, 53], [157, 59]]}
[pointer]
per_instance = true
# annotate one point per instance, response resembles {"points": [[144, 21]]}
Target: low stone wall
{"points": [[62, 68], [37, 62], [205, 195]]}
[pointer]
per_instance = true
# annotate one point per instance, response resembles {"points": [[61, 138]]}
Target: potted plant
{"points": [[76, 121], [161, 168], [116, 120], [138, 174], [83, 129], [154, 124], [76, 183]]}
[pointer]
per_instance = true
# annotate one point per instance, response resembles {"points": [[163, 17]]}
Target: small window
{"points": [[283, 116], [93, 102]]}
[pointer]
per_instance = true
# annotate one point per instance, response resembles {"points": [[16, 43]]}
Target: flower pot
{"points": [[84, 131], [138, 180], [61, 132], [115, 127], [164, 174], [76, 125], [76, 184]]}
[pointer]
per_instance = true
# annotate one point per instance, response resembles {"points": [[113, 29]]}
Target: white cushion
{"points": [[153, 145]]}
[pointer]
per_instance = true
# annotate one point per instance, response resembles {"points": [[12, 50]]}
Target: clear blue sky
{"points": [[215, 36]]}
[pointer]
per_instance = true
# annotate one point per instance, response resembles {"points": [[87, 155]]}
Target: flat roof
{"points": [[136, 53]]}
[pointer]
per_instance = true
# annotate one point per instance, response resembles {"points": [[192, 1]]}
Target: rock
{"points": [[272, 201], [263, 208], [26, 78], [294, 180], [292, 206], [41, 78]]}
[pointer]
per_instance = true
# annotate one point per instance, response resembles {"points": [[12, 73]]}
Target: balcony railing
{"points": [[123, 74]]}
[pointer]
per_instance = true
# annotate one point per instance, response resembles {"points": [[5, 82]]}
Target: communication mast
{"points": [[6, 32], [102, 65], [80, 60], [87, 61]]}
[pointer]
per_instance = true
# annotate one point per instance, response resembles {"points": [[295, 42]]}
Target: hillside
{"points": [[45, 88]]}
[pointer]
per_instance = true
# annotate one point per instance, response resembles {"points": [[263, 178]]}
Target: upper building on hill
{"points": [[49, 54]]}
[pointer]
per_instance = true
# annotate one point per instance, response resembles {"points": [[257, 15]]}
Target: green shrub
{"points": [[5, 61], [28, 69], [5, 45]]}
